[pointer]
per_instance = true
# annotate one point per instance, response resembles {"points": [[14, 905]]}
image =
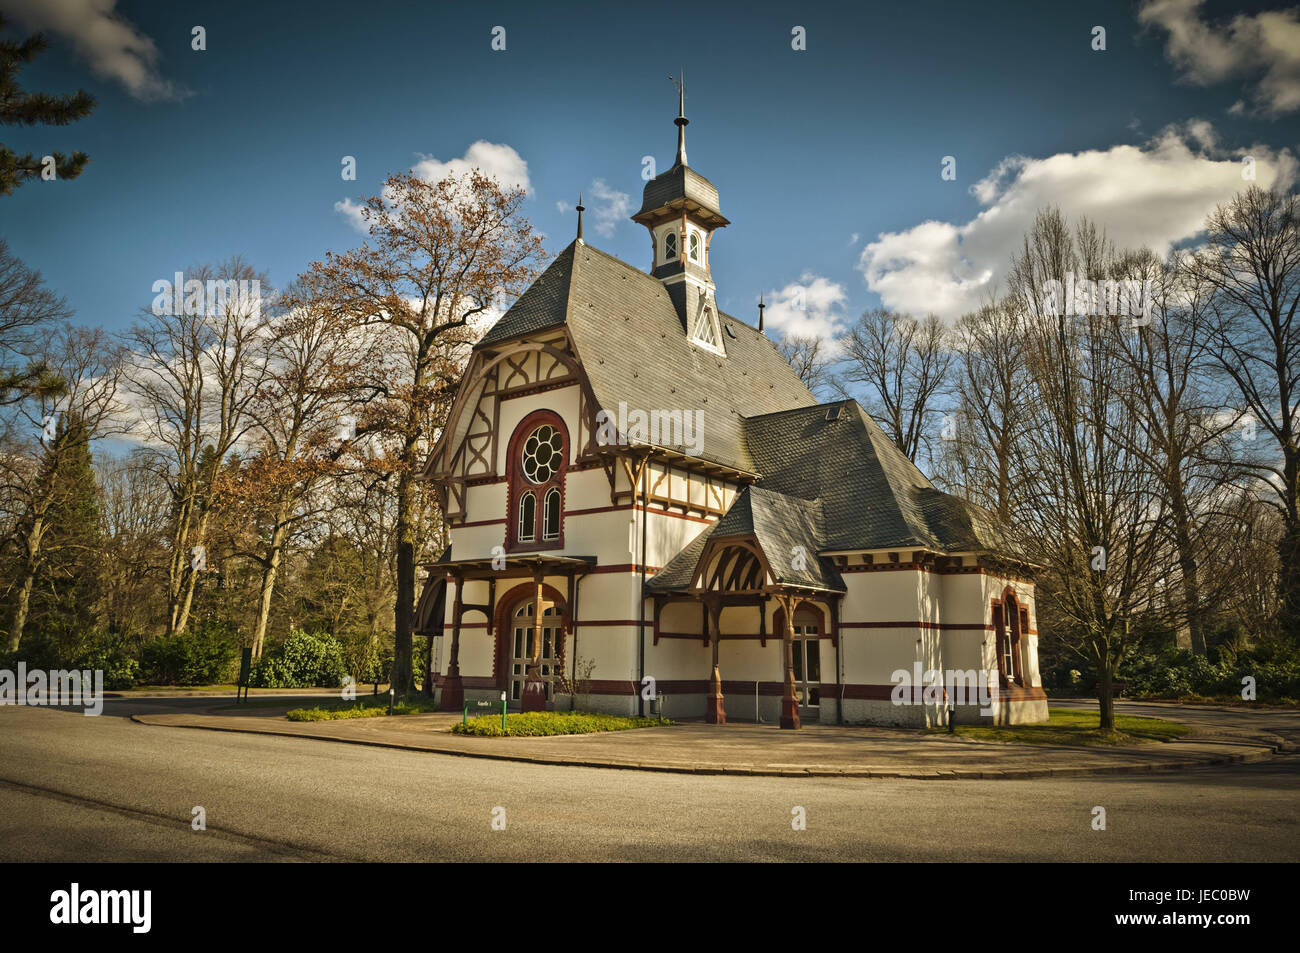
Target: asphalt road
{"points": [[81, 789]]}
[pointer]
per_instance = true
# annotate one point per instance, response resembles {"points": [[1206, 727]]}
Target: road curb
{"points": [[1262, 751]]}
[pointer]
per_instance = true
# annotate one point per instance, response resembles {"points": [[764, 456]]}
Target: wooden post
{"points": [[790, 700], [714, 711], [453, 689], [534, 695]]}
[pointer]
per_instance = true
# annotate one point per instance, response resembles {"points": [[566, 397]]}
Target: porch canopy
{"points": [[535, 566], [764, 547]]}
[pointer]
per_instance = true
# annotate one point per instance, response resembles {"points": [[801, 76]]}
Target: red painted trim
{"points": [[506, 605], [519, 484], [931, 626], [830, 691], [778, 622]]}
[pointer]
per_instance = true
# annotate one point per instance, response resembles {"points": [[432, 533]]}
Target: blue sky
{"points": [[827, 159]]}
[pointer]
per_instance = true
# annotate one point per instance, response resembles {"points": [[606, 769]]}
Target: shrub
{"points": [[1177, 673], [202, 655], [115, 657], [302, 660]]}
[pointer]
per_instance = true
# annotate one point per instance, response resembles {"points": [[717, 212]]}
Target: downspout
{"points": [[573, 624], [839, 674], [640, 628]]}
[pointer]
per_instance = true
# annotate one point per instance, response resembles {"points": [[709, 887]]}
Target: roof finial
{"points": [[681, 121], [761, 306], [581, 209]]}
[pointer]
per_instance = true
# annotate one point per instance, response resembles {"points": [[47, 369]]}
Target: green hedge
{"points": [[1177, 673], [302, 660], [539, 723], [204, 654]]}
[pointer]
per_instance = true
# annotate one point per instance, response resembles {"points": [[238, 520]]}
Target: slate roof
{"points": [[825, 484], [783, 525], [629, 337], [872, 496], [679, 182]]}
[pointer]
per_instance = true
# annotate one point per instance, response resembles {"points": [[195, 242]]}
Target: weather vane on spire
{"points": [[681, 120]]}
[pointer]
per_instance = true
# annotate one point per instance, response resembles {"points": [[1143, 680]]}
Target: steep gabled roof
{"points": [[629, 337], [872, 496], [788, 530]]}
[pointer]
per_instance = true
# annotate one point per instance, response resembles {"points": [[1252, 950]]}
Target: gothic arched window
{"points": [[695, 246], [670, 246], [551, 520], [538, 456], [527, 517]]}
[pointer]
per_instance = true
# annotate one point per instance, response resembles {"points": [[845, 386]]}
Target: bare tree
{"points": [[1182, 427], [993, 395], [807, 356], [439, 254], [1252, 261], [902, 363], [1091, 508], [89, 368], [195, 375], [302, 428], [27, 310]]}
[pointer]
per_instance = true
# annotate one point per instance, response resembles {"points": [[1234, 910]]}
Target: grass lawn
{"points": [[219, 689], [538, 723], [365, 706], [1069, 727]]}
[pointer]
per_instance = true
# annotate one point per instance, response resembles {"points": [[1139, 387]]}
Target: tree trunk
{"points": [[20, 610], [404, 610], [23, 601], [1190, 571], [269, 573], [1105, 694], [177, 567]]}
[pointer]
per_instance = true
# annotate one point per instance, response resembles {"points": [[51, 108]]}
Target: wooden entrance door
{"points": [[521, 629]]}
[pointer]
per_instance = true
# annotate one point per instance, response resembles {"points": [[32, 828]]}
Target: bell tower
{"points": [[680, 210]]}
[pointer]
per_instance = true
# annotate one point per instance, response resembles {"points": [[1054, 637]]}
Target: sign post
{"points": [[245, 668]]}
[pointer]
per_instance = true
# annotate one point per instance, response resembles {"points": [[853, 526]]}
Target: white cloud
{"points": [[612, 207], [1266, 45], [811, 307], [111, 44], [497, 160], [1154, 195]]}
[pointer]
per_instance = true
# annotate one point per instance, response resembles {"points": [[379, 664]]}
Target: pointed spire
{"points": [[761, 306], [681, 121], [581, 209]]}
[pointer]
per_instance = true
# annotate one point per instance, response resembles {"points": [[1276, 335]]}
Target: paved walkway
{"points": [[747, 749]]}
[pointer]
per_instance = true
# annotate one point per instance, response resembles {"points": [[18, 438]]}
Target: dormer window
{"points": [[695, 246], [706, 330], [670, 246]]}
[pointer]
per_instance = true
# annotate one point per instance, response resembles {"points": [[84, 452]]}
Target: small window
{"points": [[527, 517], [695, 246], [551, 520], [706, 331], [670, 246]]}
